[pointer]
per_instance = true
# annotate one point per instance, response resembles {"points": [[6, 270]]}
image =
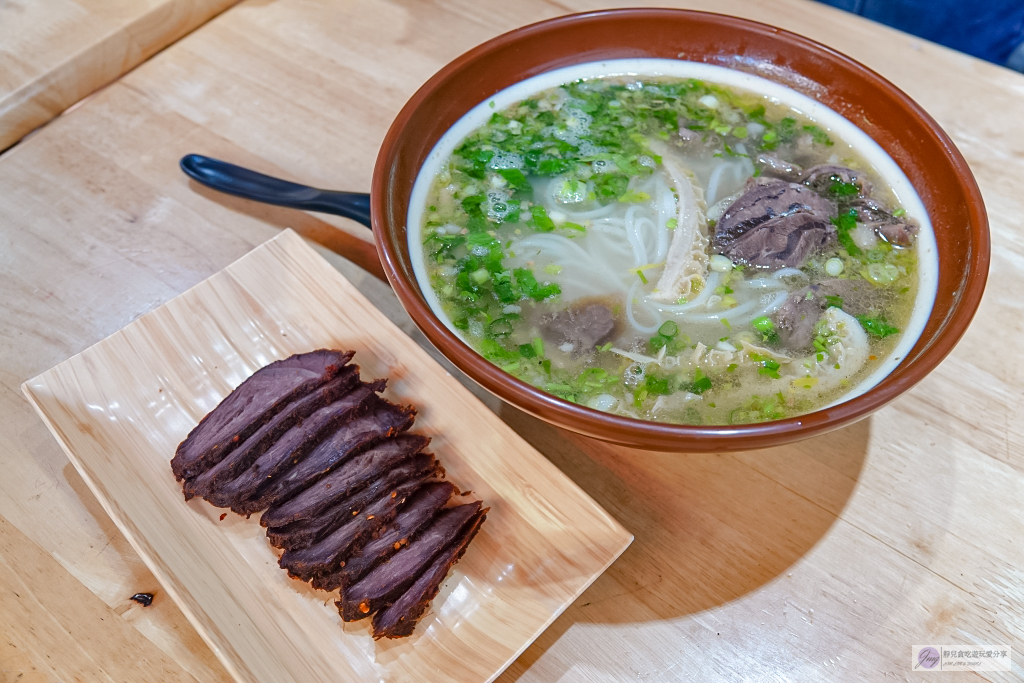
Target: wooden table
{"points": [[55, 52], [824, 560]]}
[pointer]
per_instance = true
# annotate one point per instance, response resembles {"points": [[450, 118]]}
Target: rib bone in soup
{"points": [[671, 249]]}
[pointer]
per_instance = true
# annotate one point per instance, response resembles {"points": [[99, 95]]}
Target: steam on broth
{"points": [[670, 249]]}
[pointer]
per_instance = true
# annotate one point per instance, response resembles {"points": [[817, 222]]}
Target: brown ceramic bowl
{"points": [[917, 144]]}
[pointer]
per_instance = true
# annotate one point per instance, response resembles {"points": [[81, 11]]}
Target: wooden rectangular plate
{"points": [[120, 408]]}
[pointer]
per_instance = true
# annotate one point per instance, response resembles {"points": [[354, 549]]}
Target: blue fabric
{"points": [[989, 29]]}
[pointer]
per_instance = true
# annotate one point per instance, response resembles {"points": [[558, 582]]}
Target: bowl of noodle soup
{"points": [[699, 233]]}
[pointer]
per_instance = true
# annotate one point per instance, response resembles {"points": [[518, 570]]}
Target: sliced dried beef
{"points": [[307, 532], [387, 581], [412, 517], [399, 619], [293, 446], [382, 420], [354, 474], [238, 460], [324, 556], [251, 405]]}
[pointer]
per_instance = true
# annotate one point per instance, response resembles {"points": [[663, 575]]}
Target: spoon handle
{"points": [[242, 182]]}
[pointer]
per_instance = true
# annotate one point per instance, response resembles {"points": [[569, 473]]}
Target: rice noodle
{"points": [[632, 318]]}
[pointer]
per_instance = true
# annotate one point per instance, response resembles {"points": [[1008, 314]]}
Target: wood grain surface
{"points": [[121, 407], [824, 560], [55, 52]]}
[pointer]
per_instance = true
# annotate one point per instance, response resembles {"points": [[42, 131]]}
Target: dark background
{"points": [[990, 29]]}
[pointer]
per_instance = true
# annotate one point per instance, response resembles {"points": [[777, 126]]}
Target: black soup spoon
{"points": [[243, 182]]}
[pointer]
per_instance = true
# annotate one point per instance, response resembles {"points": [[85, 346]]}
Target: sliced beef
{"points": [[784, 241], [795, 319], [765, 201], [241, 458], [324, 556], [381, 420], [893, 229], [251, 405], [584, 326], [399, 619], [293, 446], [774, 167], [416, 514], [353, 475], [307, 532], [821, 178], [386, 582]]}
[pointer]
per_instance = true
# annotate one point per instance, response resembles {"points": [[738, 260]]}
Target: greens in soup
{"points": [[671, 250]]}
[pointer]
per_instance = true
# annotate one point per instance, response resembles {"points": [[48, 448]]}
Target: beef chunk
{"points": [[380, 421], [795, 319], [763, 202], [900, 233], [292, 446], [351, 476], [308, 532], [774, 167], [584, 326], [251, 405], [399, 619], [821, 178], [385, 583], [241, 458], [325, 555], [784, 241], [416, 514], [893, 229]]}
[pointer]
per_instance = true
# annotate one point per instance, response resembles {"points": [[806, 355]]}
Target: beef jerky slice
{"points": [[251, 405], [238, 460], [349, 477], [325, 555], [381, 421], [387, 581], [291, 447], [307, 532], [399, 619], [416, 514]]}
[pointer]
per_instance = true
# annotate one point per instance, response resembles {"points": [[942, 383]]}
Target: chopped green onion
{"points": [[701, 382], [763, 324], [877, 327], [541, 221], [642, 278], [834, 301], [634, 197], [805, 382], [668, 329]]}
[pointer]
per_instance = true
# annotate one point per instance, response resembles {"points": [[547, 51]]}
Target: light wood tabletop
{"points": [[55, 52], [825, 560]]}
